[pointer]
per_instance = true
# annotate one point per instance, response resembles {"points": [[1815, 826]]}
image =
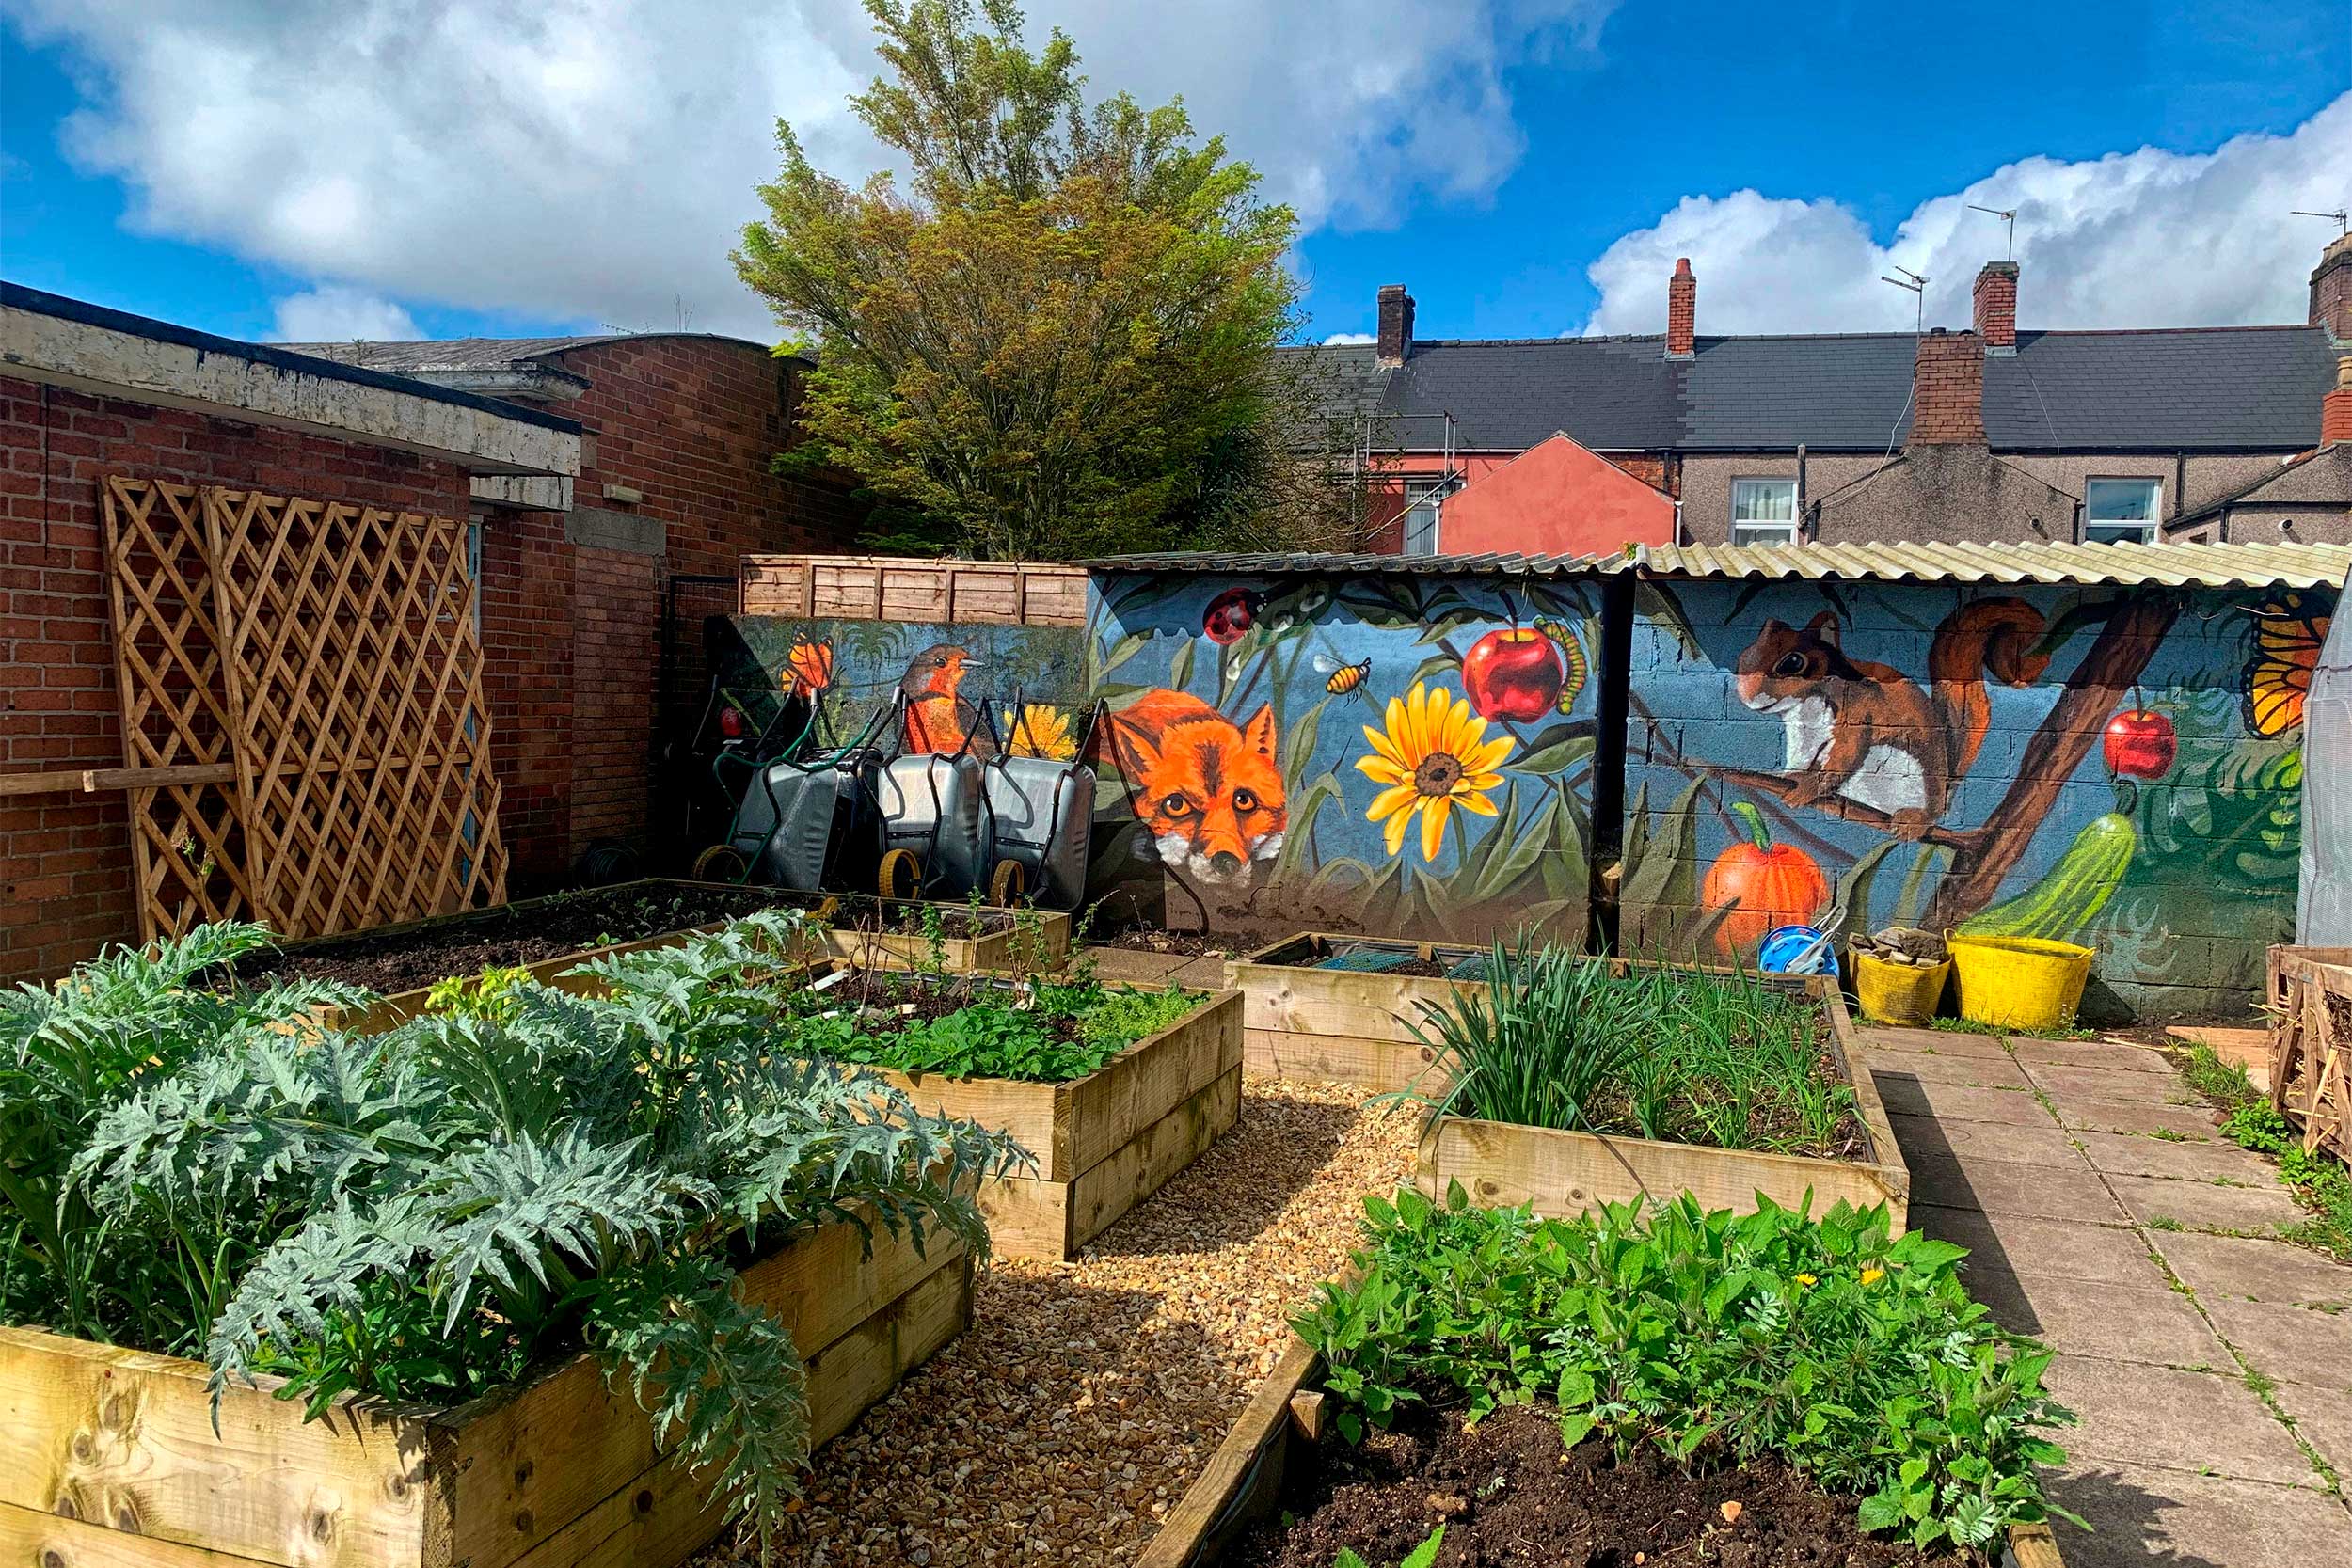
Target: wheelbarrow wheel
{"points": [[902, 875], [720, 863], [1006, 883]]}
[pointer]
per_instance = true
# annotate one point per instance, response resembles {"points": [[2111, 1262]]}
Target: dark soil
{"points": [[1439, 968], [1189, 945], [393, 963], [1508, 1494]]}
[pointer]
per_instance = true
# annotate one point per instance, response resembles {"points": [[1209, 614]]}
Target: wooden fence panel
{"points": [[884, 588]]}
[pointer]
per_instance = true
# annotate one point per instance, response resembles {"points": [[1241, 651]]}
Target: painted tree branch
{"points": [[1782, 785], [2107, 672]]}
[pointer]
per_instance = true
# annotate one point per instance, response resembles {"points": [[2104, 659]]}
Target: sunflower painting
{"points": [[1433, 757], [1039, 731]]}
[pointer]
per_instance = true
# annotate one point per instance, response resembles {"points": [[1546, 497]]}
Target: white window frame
{"points": [[1432, 499], [1751, 532], [2116, 531]]}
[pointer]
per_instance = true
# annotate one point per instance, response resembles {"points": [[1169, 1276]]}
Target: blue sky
{"points": [[1528, 167]]}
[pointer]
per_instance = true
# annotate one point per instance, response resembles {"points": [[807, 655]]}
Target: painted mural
{"points": [[965, 688], [1398, 753], [2121, 769]]}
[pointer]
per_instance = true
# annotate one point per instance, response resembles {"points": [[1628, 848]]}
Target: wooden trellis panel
{"points": [[355, 680], [309, 672], [187, 837]]}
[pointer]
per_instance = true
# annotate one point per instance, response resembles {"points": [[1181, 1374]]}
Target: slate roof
{"points": [[2232, 388]]}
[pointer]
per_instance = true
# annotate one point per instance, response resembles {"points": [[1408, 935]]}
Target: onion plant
{"points": [[1538, 1043], [432, 1210]]}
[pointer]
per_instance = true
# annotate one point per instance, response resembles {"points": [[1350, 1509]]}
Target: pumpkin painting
{"points": [[1761, 884]]}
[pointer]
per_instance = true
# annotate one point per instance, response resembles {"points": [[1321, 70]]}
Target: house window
{"points": [[2122, 511], [1763, 511], [1421, 520]]}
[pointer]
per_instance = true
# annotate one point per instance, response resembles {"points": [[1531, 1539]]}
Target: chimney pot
{"points": [[1682, 311], [1997, 308], [1396, 325], [1948, 391], [2331, 290]]}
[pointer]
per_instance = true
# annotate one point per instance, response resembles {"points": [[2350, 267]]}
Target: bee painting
{"points": [[1344, 677]]}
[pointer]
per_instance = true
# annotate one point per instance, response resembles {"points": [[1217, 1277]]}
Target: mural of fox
{"points": [[1866, 732], [1210, 790]]}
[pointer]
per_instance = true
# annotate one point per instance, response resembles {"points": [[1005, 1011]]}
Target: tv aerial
{"points": [[1917, 282]]}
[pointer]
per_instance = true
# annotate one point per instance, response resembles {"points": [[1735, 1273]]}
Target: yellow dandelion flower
{"points": [[1433, 755], [1042, 732], [1807, 1279], [1871, 1277]]}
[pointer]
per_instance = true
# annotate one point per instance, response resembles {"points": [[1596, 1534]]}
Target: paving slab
{"points": [[2046, 1145], [2252, 1268], [1990, 1072], [2002, 1246], [2123, 1154], [2322, 1418], [2310, 1345], [2107, 1056], [2135, 1414], [2147, 1321], [2203, 1206], [2139, 1515], [1919, 1097], [2099, 1083], [2083, 1114], [2001, 1188], [1932, 1042]]}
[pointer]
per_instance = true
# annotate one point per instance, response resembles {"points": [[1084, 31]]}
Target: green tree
{"points": [[1055, 338]]}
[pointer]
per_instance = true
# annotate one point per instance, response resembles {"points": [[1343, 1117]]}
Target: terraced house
{"points": [[1995, 433]]}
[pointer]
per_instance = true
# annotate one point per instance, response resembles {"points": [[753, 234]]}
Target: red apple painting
{"points": [[1513, 674], [2140, 744]]}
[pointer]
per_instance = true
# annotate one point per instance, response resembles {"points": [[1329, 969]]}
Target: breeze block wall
{"points": [[1399, 754], [2119, 767], [65, 857]]}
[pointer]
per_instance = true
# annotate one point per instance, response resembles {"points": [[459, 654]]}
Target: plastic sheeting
{"points": [[2323, 915]]}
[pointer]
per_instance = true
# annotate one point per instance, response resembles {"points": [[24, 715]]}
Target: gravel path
{"points": [[1086, 1395]]}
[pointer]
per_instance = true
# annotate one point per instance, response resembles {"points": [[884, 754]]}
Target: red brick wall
{"points": [[694, 423], [65, 859], [1948, 404]]}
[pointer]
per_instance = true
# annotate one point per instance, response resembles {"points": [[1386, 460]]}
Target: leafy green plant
{"points": [[1041, 1032], [1712, 1339], [1419, 1556], [432, 1210], [70, 1051], [496, 994], [2322, 1184]]}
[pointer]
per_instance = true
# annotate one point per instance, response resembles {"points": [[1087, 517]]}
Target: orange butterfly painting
{"points": [[2288, 633]]}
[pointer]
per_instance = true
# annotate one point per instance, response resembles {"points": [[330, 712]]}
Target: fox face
{"points": [[1208, 789]]}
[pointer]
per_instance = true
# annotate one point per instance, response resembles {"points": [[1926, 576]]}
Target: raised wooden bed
{"points": [[1104, 1142], [111, 1458], [1502, 1163], [1244, 1481], [1338, 1025], [2310, 1044], [872, 949]]}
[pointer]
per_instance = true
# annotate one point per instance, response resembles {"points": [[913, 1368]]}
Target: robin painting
{"points": [[939, 717]]}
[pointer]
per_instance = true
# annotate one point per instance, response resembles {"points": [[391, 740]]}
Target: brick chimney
{"points": [[1997, 308], [2335, 410], [1948, 391], [1396, 325], [2331, 290], [1682, 311]]}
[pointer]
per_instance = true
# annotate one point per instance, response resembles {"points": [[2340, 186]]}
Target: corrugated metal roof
{"points": [[2232, 565], [1327, 564], [2183, 565]]}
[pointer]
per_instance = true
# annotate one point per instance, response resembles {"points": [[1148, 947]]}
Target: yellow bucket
{"points": [[2019, 982], [1898, 994]]}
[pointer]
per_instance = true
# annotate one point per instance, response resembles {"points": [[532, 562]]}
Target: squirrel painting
{"points": [[1866, 732]]}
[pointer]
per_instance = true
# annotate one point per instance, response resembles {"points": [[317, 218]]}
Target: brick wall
{"points": [[65, 859], [694, 425]]}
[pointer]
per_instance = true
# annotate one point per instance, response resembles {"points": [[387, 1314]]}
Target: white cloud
{"points": [[2139, 239], [333, 313], [1350, 340], [594, 159]]}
